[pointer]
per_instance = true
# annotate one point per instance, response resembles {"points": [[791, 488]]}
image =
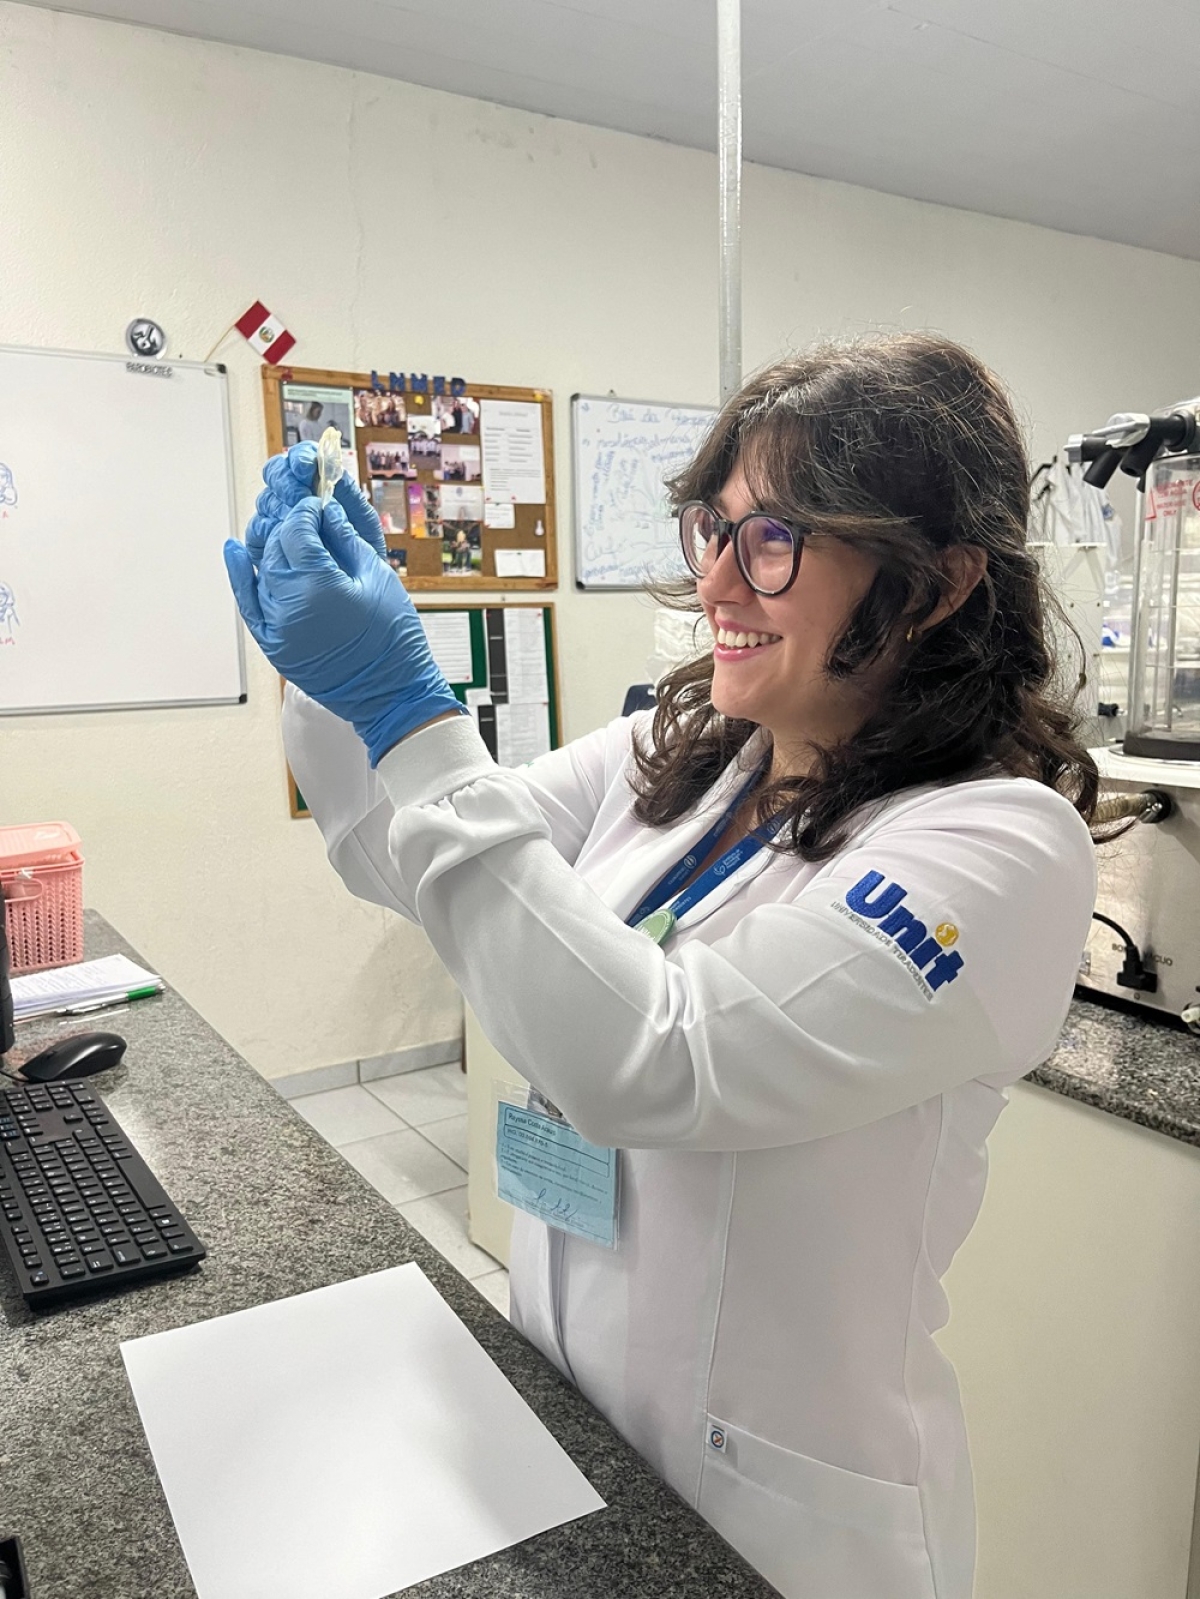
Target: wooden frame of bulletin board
{"points": [[504, 671], [412, 491]]}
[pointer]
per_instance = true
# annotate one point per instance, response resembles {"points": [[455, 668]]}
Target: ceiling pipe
{"points": [[729, 152]]}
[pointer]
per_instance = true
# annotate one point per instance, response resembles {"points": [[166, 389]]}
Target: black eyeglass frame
{"points": [[730, 533]]}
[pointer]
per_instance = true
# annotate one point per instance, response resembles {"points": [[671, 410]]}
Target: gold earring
{"points": [[908, 637]]}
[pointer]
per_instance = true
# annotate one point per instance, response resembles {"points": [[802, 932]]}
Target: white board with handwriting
{"points": [[115, 500], [624, 451]]}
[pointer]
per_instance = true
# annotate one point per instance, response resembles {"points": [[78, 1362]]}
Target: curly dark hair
{"points": [[901, 445]]}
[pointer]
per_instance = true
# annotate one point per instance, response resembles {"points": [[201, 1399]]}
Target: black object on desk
{"points": [[13, 1582], [7, 1030], [80, 1211], [78, 1055]]}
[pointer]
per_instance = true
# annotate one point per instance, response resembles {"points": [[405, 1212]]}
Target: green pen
{"points": [[115, 999]]}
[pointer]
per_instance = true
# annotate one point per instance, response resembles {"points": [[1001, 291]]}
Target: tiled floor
{"points": [[407, 1135]]}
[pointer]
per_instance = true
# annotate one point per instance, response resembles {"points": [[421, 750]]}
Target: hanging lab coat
{"points": [[800, 1084], [1066, 510]]}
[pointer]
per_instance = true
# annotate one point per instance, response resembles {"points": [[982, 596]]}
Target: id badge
{"points": [[545, 1168]]}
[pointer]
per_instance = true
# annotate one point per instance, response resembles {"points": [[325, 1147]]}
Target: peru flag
{"points": [[265, 332]]}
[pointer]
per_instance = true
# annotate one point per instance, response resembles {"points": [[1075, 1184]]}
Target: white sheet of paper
{"points": [[520, 563], [499, 513], [514, 461], [477, 697], [450, 640], [354, 1440], [525, 653], [522, 733]]}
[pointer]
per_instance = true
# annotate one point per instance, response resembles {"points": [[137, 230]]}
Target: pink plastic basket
{"points": [[41, 873]]}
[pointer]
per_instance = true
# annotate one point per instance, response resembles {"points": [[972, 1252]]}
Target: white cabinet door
{"points": [[1074, 1325]]}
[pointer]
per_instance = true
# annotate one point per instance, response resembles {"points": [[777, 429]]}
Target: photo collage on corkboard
{"points": [[461, 481]]}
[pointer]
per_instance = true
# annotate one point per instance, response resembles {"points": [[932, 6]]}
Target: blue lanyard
{"points": [[655, 917]]}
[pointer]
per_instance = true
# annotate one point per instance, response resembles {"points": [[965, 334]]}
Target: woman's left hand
{"points": [[289, 478], [334, 619]]}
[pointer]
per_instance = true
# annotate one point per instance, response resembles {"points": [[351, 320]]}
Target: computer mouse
{"points": [[77, 1056]]}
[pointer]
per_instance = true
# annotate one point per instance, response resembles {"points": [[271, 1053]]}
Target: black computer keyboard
{"points": [[80, 1211]]}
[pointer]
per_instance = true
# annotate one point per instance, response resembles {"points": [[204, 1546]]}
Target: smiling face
{"points": [[771, 650]]}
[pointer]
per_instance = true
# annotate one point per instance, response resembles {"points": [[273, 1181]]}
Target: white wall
{"points": [[393, 226]]}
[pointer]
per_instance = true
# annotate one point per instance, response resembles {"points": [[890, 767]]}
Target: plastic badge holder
{"points": [[329, 463], [41, 872], [544, 1167]]}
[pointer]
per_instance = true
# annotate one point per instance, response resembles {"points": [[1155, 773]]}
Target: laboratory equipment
{"points": [[1164, 677], [1145, 942], [329, 464]]}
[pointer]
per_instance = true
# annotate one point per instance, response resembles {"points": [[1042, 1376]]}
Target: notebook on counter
{"points": [[87, 984]]}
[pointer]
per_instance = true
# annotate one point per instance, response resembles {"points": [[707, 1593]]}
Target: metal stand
{"points": [[729, 154]]}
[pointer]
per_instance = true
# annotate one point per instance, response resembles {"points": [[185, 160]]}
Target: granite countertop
{"points": [[280, 1212], [1133, 1066]]}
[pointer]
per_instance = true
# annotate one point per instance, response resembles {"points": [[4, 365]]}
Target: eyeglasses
{"points": [[767, 550]]}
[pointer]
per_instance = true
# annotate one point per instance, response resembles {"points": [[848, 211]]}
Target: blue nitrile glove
{"points": [[289, 478], [331, 617]]}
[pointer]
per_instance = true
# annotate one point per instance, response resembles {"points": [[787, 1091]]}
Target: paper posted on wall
{"points": [[450, 643], [514, 459], [500, 514], [520, 563], [522, 733], [525, 651]]}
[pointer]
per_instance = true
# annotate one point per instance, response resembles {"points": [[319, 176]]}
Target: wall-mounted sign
{"points": [[145, 338], [417, 383]]}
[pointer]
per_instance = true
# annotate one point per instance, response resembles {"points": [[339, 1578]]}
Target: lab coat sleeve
{"points": [[807, 1020], [346, 798], [354, 811]]}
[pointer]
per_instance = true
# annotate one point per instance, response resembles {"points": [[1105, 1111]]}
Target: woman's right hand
{"points": [[330, 616], [289, 479]]}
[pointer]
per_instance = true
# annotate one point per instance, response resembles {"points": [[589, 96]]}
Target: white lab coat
{"points": [[1066, 510], [803, 1117]]}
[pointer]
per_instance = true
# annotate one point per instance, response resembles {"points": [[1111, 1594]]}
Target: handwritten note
{"points": [[625, 534]]}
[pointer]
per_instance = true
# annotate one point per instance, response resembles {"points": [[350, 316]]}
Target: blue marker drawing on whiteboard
{"points": [[8, 489], [8, 614], [627, 452]]}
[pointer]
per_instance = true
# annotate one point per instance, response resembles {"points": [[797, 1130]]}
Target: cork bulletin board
{"points": [[461, 474]]}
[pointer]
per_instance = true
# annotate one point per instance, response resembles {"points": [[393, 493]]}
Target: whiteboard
{"points": [[116, 495], [624, 450]]}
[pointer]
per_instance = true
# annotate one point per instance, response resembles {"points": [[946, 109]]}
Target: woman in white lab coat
{"points": [[800, 1074]]}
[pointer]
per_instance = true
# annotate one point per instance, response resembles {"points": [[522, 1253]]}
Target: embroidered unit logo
{"points": [[881, 911]]}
